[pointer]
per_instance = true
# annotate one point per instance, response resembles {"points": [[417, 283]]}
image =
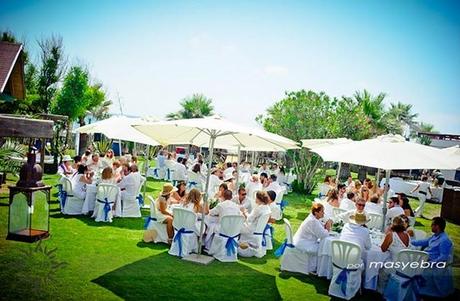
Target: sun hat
{"points": [[66, 158], [394, 196], [168, 188], [359, 218], [228, 176]]}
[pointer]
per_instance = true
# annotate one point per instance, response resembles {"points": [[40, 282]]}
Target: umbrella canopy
{"points": [[118, 127], [227, 134], [315, 143], [387, 152], [453, 153]]}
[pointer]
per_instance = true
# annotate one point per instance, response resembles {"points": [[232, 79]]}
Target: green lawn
{"points": [[110, 261]]}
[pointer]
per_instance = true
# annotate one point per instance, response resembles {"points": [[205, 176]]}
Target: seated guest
{"points": [[130, 183], [325, 187], [404, 203], [348, 203], [397, 238], [76, 163], [229, 180], [242, 200], [107, 176], [393, 209], [360, 207], [276, 214], [179, 194], [163, 215], [409, 229], [79, 181], [311, 230], [229, 169], [86, 157], [373, 206], [273, 184], [342, 189], [356, 231], [253, 186], [225, 207], [193, 203], [180, 171], [117, 170], [108, 159], [438, 279], [263, 179], [332, 201], [350, 184], [220, 193], [195, 178], [260, 209], [65, 169], [214, 181], [95, 165]]}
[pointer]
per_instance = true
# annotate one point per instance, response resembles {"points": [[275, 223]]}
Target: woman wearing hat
{"points": [[65, 168], [163, 214]]}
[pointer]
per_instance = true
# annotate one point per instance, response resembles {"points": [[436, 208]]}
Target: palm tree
{"points": [[426, 128], [374, 109], [196, 106], [402, 112]]}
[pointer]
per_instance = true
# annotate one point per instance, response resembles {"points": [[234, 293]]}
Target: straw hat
{"points": [[359, 218], [66, 158], [150, 235], [168, 188]]}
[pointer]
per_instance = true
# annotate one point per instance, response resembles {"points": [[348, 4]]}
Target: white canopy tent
{"points": [[212, 131], [387, 152]]}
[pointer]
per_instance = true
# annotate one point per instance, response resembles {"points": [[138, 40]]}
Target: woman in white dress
{"points": [[193, 203], [332, 201], [79, 181], [107, 176], [311, 230], [260, 209]]}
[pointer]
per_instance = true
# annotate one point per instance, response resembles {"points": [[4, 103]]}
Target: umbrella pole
{"points": [[338, 172], [146, 168], [377, 178], [385, 198], [208, 175], [238, 168]]}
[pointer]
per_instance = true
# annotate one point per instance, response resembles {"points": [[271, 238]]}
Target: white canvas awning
{"points": [[315, 143]]}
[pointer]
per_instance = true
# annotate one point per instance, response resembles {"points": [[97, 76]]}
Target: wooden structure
{"points": [[11, 71]]}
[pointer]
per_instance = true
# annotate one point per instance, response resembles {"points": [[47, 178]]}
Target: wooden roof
{"points": [[11, 62]]}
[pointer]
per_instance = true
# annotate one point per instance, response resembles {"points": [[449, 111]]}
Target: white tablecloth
{"points": [[90, 200], [374, 254], [399, 185]]}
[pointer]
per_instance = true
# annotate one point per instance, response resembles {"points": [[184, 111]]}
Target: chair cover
{"points": [[337, 211], [185, 240], [225, 244], [405, 284], [269, 233], [130, 206], [151, 223], [438, 282], [257, 240], [419, 234], [71, 204], [194, 181], [347, 269], [105, 198], [375, 221], [294, 260]]}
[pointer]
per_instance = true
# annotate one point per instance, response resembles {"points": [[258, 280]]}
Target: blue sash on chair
{"points": [[231, 244], [155, 173], [411, 284], [263, 234], [342, 279], [280, 250], [191, 184], [107, 207], [140, 199], [147, 221], [283, 204], [62, 195], [178, 238], [168, 173]]}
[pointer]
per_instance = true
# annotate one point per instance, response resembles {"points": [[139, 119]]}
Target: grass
{"points": [[101, 261]]}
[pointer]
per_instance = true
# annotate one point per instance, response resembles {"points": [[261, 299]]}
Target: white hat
{"points": [[66, 158], [228, 176]]}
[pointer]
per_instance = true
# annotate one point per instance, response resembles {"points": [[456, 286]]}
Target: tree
{"points": [[402, 112], [196, 106], [98, 105], [425, 128], [51, 72]]}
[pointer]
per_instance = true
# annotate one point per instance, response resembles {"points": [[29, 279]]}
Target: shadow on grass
{"points": [[321, 284], [132, 223], [152, 246], [168, 277]]}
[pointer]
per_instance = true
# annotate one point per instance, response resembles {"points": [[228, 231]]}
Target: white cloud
{"points": [[275, 70]]}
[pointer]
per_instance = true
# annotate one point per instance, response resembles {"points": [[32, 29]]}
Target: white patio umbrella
{"points": [[453, 153], [387, 152], [212, 131]]}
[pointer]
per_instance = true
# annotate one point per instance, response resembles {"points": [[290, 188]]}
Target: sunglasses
{"points": [[360, 205], [244, 194]]}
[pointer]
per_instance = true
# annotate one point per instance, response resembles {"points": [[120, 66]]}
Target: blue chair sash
{"points": [[231, 244], [62, 195], [283, 204], [140, 199], [178, 237], [413, 283], [147, 221], [155, 172], [280, 250], [263, 234], [191, 184], [168, 173], [107, 207], [342, 279]]}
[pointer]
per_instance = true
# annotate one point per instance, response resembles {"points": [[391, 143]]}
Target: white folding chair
{"points": [[151, 223], [404, 284], [256, 240], [185, 240], [347, 269], [71, 204], [292, 259], [106, 197], [193, 181], [375, 221], [225, 244], [337, 211]]}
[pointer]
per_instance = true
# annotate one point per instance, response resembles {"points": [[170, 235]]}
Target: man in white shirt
{"points": [[226, 207], [348, 202], [264, 169], [242, 200], [180, 172], [129, 184], [359, 208], [273, 184], [374, 206], [355, 231], [393, 209], [95, 164], [214, 182], [229, 170], [342, 189]]}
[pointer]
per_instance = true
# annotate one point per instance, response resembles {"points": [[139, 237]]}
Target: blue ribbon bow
{"points": [[283, 204], [155, 172], [191, 184], [140, 199], [107, 207], [342, 279], [270, 228], [178, 238], [231, 244], [147, 221], [412, 283], [264, 241], [169, 174], [280, 250], [62, 195]]}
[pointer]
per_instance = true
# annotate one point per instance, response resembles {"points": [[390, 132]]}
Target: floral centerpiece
{"points": [[213, 202], [337, 226]]}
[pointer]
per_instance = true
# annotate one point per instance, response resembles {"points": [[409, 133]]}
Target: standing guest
{"points": [[230, 181], [179, 194], [242, 201], [65, 169], [264, 179], [170, 165], [348, 202], [312, 230], [423, 189], [357, 232], [275, 170], [281, 177], [79, 181], [108, 159], [386, 188], [350, 184]]}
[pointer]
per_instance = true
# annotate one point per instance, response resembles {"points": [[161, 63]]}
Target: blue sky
{"points": [[246, 54]]}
